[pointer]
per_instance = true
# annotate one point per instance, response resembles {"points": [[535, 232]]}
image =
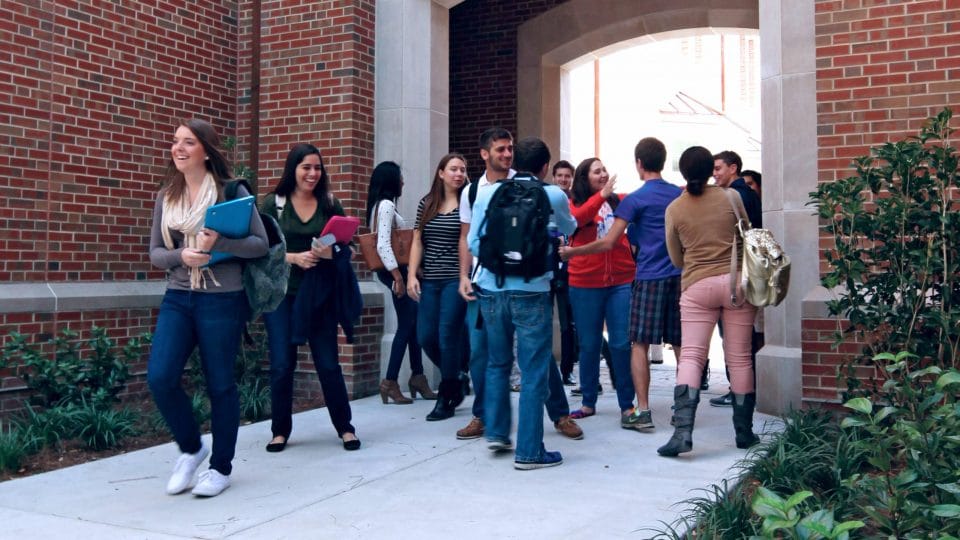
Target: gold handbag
{"points": [[765, 268]]}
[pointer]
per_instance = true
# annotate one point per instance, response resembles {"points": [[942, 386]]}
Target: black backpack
{"points": [[516, 241], [264, 278]]}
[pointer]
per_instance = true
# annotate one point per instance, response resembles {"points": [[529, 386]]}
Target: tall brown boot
{"points": [[391, 390], [418, 383]]}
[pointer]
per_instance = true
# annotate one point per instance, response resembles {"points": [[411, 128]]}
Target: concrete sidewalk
{"points": [[411, 479]]}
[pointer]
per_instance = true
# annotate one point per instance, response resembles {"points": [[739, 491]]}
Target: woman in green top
{"points": [[302, 204]]}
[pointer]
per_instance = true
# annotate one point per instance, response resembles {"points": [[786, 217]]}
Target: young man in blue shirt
{"points": [[525, 308], [655, 304]]}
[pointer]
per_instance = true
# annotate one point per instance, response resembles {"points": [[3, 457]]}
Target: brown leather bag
{"points": [[400, 239]]}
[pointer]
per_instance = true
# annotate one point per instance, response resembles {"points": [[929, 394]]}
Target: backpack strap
{"points": [[280, 201], [230, 189], [733, 247], [472, 192]]}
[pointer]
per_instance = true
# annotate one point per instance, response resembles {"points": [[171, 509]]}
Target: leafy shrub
{"points": [[253, 380], [14, 447], [910, 440], [895, 263], [255, 400], [100, 429], [48, 427], [67, 377]]}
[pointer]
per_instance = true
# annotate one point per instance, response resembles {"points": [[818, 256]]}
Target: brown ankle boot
{"points": [[418, 383], [390, 389]]}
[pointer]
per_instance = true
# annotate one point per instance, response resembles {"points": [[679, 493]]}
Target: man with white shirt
{"points": [[496, 150]]}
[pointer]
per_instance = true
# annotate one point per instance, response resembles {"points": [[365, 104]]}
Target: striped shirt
{"points": [[440, 238]]}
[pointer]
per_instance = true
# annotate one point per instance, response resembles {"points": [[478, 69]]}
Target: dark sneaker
{"points": [[579, 392], [499, 445], [474, 430], [568, 381], [548, 459], [725, 400], [568, 428], [637, 420]]}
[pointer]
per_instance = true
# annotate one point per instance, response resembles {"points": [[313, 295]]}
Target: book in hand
{"points": [[230, 219], [341, 227]]}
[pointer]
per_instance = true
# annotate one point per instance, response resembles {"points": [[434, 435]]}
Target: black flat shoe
{"points": [[351, 445], [276, 446]]}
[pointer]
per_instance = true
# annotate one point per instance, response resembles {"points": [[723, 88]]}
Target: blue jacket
{"points": [[329, 289]]}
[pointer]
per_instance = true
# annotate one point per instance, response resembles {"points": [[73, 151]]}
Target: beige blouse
{"points": [[699, 231]]}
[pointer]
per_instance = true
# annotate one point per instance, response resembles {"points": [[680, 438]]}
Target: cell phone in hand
{"points": [[326, 240]]}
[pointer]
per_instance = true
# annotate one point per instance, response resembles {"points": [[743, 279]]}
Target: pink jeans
{"points": [[701, 305]]}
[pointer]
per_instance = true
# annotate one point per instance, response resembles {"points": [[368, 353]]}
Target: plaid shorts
{"points": [[655, 311]]}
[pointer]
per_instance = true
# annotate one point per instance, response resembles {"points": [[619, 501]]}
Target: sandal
{"points": [[580, 414]]}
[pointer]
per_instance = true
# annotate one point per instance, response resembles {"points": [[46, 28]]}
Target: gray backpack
{"points": [[264, 278]]}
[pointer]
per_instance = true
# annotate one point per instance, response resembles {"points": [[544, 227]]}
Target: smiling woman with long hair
{"points": [[599, 286], [204, 306], [434, 255], [307, 204]]}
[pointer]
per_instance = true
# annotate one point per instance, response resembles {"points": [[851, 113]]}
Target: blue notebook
{"points": [[232, 220]]}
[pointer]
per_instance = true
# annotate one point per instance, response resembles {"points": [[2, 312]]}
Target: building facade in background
{"points": [[92, 91]]}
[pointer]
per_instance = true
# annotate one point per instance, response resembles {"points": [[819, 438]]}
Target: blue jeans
{"points": [[406, 334], [478, 357], [283, 363], [440, 324], [556, 404], [214, 323], [591, 307], [529, 314]]}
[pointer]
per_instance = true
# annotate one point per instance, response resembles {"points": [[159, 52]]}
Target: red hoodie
{"points": [[613, 267]]}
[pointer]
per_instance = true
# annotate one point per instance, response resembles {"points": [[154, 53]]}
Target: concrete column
{"points": [[411, 121], [788, 93]]}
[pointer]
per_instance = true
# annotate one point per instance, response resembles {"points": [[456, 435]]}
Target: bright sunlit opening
{"points": [[691, 88]]}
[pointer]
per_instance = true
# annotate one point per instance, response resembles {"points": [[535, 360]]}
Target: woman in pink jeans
{"points": [[700, 226]]}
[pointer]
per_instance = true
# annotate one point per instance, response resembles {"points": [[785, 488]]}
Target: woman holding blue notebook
{"points": [[204, 306]]}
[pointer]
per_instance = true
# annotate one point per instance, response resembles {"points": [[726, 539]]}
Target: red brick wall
{"points": [[823, 361], [883, 67], [95, 92], [317, 86], [483, 70], [96, 89]]}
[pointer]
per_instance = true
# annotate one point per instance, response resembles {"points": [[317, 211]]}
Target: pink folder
{"points": [[342, 228]]}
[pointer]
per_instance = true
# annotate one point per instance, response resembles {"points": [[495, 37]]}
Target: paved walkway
{"points": [[411, 479]]}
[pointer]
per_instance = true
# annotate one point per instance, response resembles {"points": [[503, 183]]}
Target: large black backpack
{"points": [[264, 278], [516, 241]]}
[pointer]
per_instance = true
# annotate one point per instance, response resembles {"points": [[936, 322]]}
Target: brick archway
{"points": [[578, 27]]}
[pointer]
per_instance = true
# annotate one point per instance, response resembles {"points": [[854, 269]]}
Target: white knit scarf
{"points": [[181, 216]]}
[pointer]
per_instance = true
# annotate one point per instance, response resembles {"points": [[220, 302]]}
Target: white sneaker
{"points": [[211, 483], [184, 471]]}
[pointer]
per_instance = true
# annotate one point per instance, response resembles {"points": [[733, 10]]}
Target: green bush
{"points": [[67, 377], [894, 263], [100, 429], [48, 427], [14, 447]]}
